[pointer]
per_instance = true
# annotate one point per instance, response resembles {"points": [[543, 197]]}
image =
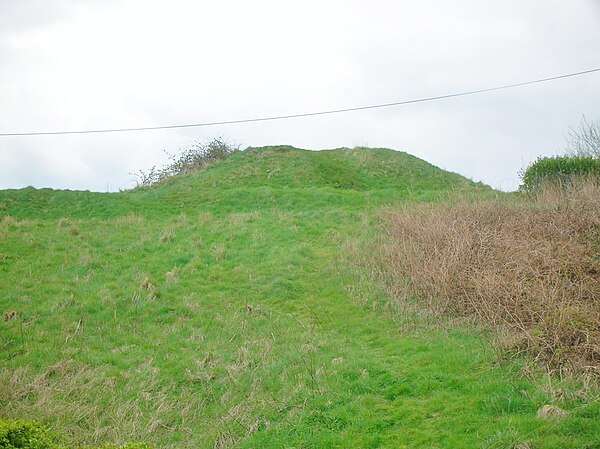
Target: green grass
{"points": [[222, 309]]}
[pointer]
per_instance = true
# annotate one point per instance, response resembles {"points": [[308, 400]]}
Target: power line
{"points": [[306, 114]]}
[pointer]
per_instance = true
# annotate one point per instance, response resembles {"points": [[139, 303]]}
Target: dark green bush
{"points": [[558, 169], [19, 434]]}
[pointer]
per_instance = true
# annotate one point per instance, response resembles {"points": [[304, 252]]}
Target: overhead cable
{"points": [[305, 114]]}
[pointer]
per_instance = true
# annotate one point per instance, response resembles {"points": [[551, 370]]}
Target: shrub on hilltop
{"points": [[188, 160]]}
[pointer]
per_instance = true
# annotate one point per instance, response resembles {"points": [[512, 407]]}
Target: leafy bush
{"points": [[24, 434], [20, 434], [558, 170], [188, 160]]}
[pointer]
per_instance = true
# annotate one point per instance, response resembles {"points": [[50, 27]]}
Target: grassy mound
{"points": [[219, 309], [356, 169]]}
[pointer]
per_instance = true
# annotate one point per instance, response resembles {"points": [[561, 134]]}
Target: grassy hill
{"points": [[223, 309]]}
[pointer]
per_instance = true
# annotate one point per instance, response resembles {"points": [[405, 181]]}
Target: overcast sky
{"points": [[70, 65]]}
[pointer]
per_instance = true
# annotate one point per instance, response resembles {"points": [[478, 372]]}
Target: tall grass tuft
{"points": [[531, 267]]}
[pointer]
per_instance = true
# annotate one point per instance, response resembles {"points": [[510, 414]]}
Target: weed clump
{"points": [[532, 267]]}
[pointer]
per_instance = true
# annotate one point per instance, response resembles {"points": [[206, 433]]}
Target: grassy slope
{"points": [[253, 331]]}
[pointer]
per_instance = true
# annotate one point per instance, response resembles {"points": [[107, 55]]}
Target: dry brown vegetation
{"points": [[530, 267]]}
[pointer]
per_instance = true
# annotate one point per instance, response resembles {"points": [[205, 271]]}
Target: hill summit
{"points": [[280, 174], [359, 169]]}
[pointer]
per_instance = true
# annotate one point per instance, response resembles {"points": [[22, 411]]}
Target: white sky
{"points": [[103, 64]]}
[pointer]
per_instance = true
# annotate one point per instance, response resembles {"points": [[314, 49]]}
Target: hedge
{"points": [[558, 169]]}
